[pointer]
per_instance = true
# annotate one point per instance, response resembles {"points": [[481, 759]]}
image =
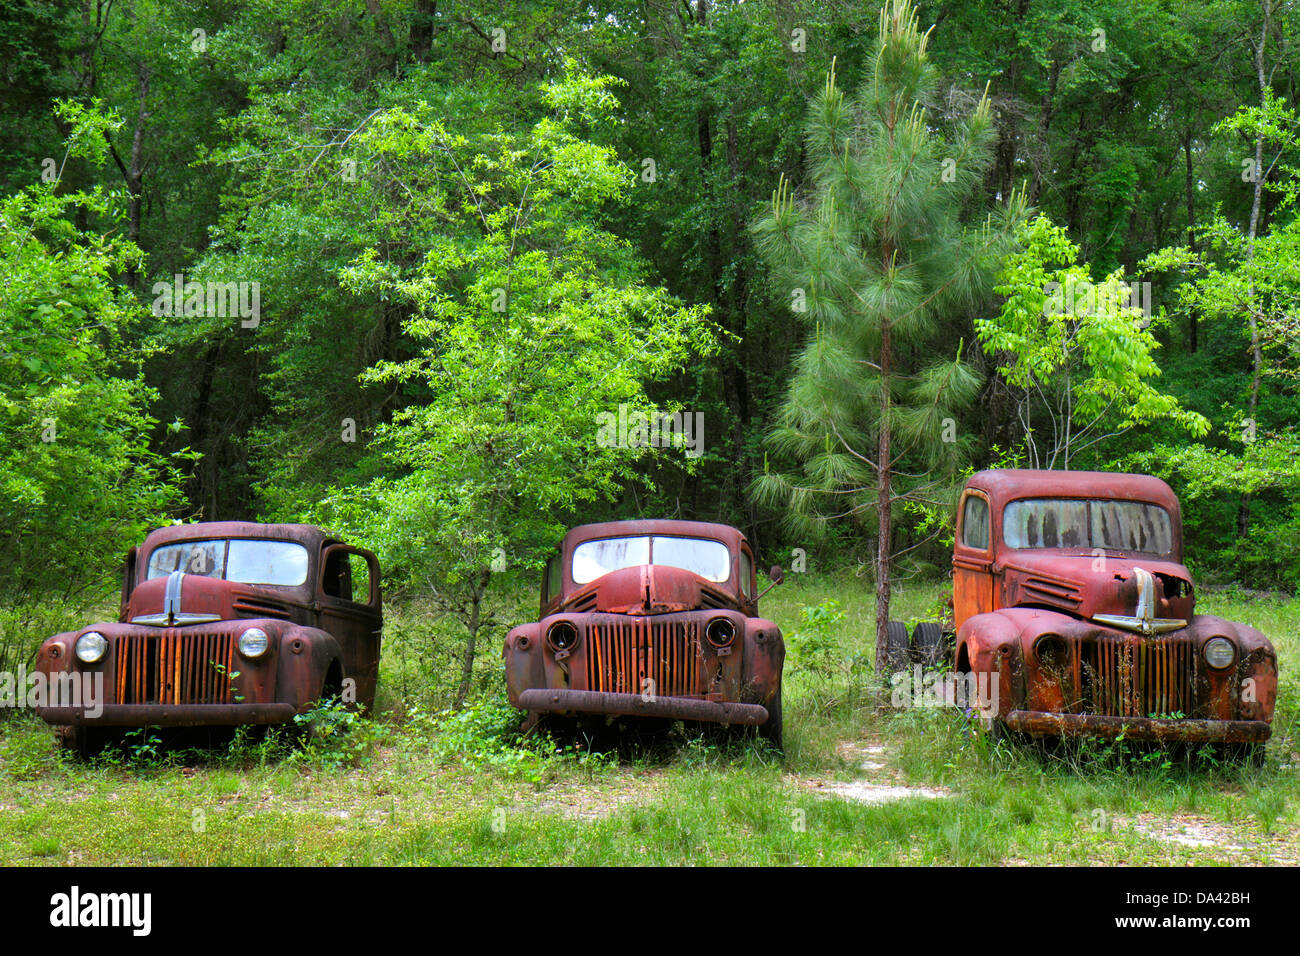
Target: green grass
{"points": [[421, 787]]}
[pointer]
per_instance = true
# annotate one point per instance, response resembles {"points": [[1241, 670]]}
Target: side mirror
{"points": [[777, 576]]}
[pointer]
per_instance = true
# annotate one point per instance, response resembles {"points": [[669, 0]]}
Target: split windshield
{"points": [[709, 559], [280, 563], [1089, 524]]}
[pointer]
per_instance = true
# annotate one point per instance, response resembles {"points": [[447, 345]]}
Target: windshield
{"points": [[1088, 524], [709, 559], [247, 562]]}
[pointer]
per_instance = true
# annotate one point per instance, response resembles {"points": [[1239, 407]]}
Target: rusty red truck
{"points": [[650, 619], [1071, 598], [222, 624]]}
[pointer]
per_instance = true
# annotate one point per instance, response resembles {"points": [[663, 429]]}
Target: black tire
{"points": [[929, 644], [898, 652], [773, 731], [82, 742]]}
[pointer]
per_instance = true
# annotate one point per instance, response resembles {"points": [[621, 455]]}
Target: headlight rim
{"points": [[557, 647], [1216, 641], [1052, 637], [103, 651], [723, 621], [253, 631]]}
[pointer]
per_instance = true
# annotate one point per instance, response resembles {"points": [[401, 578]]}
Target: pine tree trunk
{"points": [[1256, 353], [884, 534], [1190, 189]]}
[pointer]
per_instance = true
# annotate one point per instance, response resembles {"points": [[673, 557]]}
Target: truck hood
{"points": [[181, 599], [1133, 593], [649, 589]]}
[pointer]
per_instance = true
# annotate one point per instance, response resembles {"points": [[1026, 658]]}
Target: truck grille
{"points": [[1137, 678], [175, 669], [623, 658]]}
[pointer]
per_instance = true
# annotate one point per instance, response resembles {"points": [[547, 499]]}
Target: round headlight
{"points": [[720, 632], [562, 636], [91, 647], [253, 642], [1052, 651], [1220, 652]]}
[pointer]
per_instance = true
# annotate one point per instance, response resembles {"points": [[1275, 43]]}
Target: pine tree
{"points": [[883, 259]]}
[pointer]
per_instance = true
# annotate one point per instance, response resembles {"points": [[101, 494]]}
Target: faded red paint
{"points": [[642, 646], [1090, 676], [158, 674]]}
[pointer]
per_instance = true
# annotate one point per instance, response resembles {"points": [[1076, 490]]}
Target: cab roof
{"points": [[305, 534], [1008, 484], [664, 526]]}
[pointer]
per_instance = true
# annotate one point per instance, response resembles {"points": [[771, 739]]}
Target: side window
{"points": [[975, 523], [746, 575], [336, 579], [551, 585], [359, 572], [347, 576]]}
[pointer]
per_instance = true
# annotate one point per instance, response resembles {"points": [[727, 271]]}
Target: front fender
{"points": [[306, 655], [1247, 691], [764, 659], [996, 644], [524, 661], [56, 654]]}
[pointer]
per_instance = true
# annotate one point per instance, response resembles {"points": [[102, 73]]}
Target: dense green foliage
{"points": [[78, 481], [381, 169]]}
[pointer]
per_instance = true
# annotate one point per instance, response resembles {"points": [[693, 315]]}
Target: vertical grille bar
{"points": [[173, 668], [1136, 677], [624, 656]]}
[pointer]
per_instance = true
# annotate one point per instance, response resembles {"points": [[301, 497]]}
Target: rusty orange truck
{"points": [[1070, 597], [650, 619], [222, 624]]}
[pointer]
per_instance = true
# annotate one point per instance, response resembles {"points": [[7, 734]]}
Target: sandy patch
{"points": [[881, 787], [874, 794]]}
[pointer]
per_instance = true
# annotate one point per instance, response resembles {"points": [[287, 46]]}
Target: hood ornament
{"points": [[1143, 621]]}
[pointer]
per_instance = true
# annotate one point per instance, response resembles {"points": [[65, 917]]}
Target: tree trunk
{"points": [[467, 660], [1191, 229], [471, 642], [422, 19], [884, 494], [1256, 353]]}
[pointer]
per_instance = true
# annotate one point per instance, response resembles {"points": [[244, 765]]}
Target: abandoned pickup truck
{"points": [[222, 624], [1071, 600], [650, 619]]}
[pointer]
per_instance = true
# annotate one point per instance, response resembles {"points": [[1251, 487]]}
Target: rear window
{"points": [[1070, 523]]}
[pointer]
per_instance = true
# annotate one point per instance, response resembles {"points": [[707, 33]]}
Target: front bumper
{"points": [[1039, 723], [640, 705], [170, 715]]}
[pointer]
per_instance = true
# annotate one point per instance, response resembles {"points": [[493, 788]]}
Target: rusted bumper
{"points": [[640, 705], [168, 715], [1039, 723]]}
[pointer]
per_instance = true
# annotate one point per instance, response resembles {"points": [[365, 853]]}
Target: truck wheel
{"points": [[898, 650], [773, 731], [929, 644], [83, 742]]}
